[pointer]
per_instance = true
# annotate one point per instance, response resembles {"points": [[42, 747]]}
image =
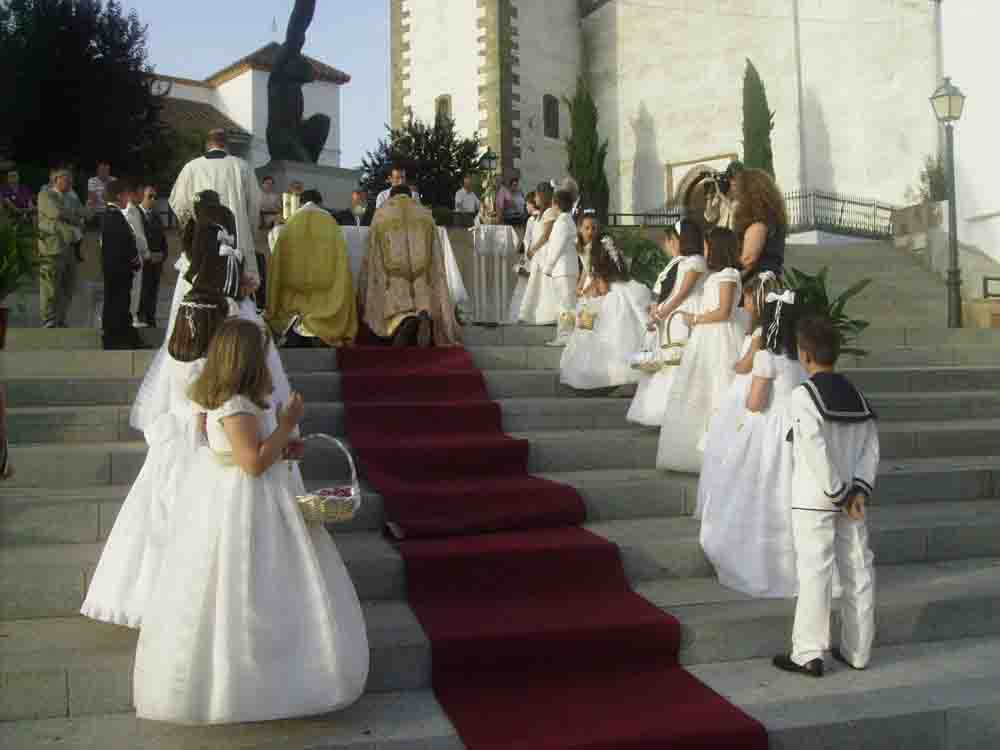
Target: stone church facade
{"points": [[849, 81]]}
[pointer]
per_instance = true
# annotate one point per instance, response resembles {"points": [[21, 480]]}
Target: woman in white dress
{"points": [[734, 404], [523, 267], [255, 616], [706, 368], [677, 288], [538, 308], [616, 307], [746, 520]]}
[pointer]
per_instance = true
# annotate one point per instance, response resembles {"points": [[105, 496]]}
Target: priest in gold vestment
{"points": [[309, 275], [403, 288]]}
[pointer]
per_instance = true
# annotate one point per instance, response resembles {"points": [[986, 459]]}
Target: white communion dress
{"points": [[650, 401], [540, 305], [517, 298], [255, 616], [746, 522], [697, 388], [130, 562], [598, 358]]}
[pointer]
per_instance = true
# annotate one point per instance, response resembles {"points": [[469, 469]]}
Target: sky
{"points": [[195, 38]]}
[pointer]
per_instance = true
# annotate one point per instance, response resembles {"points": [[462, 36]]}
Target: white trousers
{"points": [[823, 540]]}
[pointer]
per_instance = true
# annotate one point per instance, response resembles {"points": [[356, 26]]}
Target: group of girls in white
{"points": [[245, 612]]}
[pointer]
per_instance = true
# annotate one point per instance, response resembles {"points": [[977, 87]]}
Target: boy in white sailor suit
{"points": [[833, 434]]}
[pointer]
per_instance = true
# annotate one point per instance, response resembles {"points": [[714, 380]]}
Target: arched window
{"points": [[442, 106], [550, 116]]}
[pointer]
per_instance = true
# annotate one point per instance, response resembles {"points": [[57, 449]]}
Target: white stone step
{"points": [[70, 516], [319, 386], [109, 423], [941, 696], [41, 580], [72, 666], [103, 463]]}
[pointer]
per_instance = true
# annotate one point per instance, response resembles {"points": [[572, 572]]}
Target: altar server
{"points": [[834, 439]]}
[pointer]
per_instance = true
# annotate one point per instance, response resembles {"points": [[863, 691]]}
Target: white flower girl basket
{"points": [[655, 357], [332, 504]]}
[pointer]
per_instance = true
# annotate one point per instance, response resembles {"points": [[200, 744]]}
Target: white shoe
{"points": [[140, 324]]}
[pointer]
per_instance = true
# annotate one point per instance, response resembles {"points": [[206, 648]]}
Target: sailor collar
{"points": [[216, 153], [837, 399]]}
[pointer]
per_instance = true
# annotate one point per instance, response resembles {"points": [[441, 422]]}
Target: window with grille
{"points": [[442, 107], [550, 116]]}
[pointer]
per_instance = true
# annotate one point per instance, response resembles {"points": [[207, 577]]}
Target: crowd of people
{"points": [[786, 448]]}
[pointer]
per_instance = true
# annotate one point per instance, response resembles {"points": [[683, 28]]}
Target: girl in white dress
{"points": [[706, 368], [734, 404], [537, 308], [523, 270], [617, 308], [254, 615], [677, 288], [746, 519]]}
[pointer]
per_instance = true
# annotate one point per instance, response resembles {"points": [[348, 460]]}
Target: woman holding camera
{"points": [[761, 221]]}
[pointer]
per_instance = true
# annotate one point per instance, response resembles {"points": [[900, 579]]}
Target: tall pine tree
{"points": [[586, 152], [758, 122]]}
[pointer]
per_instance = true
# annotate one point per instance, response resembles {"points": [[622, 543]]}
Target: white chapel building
{"points": [[235, 99], [848, 80]]}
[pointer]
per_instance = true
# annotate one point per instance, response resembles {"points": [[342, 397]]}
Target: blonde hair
{"points": [[236, 366]]}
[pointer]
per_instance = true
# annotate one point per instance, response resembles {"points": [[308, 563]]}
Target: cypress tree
{"points": [[758, 122], [586, 152]]}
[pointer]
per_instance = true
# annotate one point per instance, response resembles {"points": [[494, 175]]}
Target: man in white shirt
{"points": [[396, 177], [96, 186], [466, 201], [136, 221]]}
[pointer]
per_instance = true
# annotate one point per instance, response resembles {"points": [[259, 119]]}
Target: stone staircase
{"points": [[935, 677]]}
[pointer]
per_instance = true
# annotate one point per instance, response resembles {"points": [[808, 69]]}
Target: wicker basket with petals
{"points": [[332, 504]]}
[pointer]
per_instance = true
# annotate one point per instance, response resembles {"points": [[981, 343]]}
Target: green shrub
{"points": [[813, 292], [17, 254], [646, 258]]}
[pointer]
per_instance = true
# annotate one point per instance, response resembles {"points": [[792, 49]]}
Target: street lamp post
{"points": [[949, 102]]}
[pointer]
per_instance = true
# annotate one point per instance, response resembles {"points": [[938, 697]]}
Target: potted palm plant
{"points": [[17, 262], [814, 293]]}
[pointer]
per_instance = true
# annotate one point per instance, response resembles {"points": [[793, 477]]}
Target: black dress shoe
{"points": [[839, 656], [425, 331], [812, 669], [406, 333]]}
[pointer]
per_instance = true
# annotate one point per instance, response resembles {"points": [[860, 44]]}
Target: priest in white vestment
{"points": [[235, 182]]}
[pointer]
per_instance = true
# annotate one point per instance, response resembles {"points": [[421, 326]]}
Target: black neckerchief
{"points": [[837, 399], [216, 153]]}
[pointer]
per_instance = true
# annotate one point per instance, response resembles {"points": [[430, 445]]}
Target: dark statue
{"points": [[289, 137]]}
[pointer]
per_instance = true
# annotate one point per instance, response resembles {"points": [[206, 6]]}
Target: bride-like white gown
{"points": [[745, 484], [255, 616], [701, 380], [122, 582], [649, 404], [541, 304], [599, 358]]}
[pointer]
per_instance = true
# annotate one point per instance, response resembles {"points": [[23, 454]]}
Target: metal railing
{"points": [[812, 210], [816, 210]]}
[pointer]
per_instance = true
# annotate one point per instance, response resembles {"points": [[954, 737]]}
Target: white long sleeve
{"points": [[812, 447]]}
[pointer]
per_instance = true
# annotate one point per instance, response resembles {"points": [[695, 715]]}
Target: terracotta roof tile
{"points": [[182, 114], [263, 59]]}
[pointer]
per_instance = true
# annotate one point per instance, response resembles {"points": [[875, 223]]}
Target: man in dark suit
{"points": [[120, 260], [359, 214], [152, 269]]}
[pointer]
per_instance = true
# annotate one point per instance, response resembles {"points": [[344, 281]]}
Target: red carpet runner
{"points": [[538, 641]]}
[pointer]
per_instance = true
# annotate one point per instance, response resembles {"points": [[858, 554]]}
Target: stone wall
{"points": [[851, 109]]}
